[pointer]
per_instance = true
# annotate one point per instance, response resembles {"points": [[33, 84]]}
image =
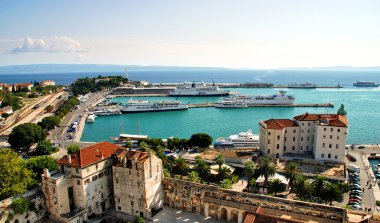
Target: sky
{"points": [[202, 33]]}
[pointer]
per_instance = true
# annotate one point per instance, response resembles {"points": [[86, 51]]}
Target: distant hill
{"points": [[77, 68]]}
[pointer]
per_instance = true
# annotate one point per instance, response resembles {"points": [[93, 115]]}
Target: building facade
{"points": [[137, 181], [321, 135], [45, 83]]}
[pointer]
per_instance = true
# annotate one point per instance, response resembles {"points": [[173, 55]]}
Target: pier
{"points": [[326, 105]]}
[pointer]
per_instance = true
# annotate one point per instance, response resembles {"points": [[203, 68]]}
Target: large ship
{"points": [[199, 89], [277, 99], [106, 112], [302, 85], [153, 106], [90, 118], [230, 104], [243, 139], [365, 84]]}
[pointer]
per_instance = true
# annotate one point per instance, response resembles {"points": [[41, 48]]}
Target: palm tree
{"points": [[220, 160], [224, 173], [330, 192], [143, 146], [181, 167], [299, 185], [277, 186], [194, 177], [249, 169], [128, 144], [202, 168], [226, 184], [266, 168], [292, 170], [319, 182]]}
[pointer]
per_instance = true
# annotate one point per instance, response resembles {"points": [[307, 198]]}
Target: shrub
{"points": [[73, 149], [20, 205], [378, 202]]}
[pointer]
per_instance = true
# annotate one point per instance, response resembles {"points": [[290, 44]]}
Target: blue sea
{"points": [[362, 104]]}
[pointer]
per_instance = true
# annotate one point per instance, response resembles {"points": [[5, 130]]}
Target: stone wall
{"points": [[232, 206]]}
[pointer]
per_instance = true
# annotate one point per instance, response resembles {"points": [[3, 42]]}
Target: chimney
{"points": [[46, 172]]}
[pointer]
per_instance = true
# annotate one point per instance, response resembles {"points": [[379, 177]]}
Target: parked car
{"points": [[351, 158], [356, 191], [354, 200], [356, 207], [361, 147], [356, 196]]}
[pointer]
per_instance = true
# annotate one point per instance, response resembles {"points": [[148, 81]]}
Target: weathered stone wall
{"points": [[232, 206]]}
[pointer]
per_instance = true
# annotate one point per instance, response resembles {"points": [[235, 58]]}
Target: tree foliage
{"points": [[66, 107], [276, 186], [87, 85], [15, 178], [202, 168], [25, 135], [194, 177], [226, 184], [292, 170], [11, 100], [201, 140], [49, 123], [73, 149], [249, 169], [181, 167], [20, 205], [38, 164], [176, 143], [44, 147], [266, 168]]}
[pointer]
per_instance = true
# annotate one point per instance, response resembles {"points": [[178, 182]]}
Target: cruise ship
{"points": [[230, 104], [153, 106], [199, 89], [243, 139], [106, 112], [303, 85], [365, 84], [277, 99]]}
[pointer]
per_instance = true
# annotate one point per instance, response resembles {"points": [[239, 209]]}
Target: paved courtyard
{"points": [[170, 215]]}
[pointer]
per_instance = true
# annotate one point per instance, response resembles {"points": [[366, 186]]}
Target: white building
{"points": [[321, 135], [47, 83]]}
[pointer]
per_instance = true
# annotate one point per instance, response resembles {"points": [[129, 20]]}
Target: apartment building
{"points": [[137, 181], [321, 135], [83, 185]]}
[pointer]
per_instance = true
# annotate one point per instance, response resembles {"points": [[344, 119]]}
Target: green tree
{"points": [[49, 123], [226, 184], [202, 168], [249, 169], [331, 192], [44, 147], [143, 146], [139, 219], [166, 172], [73, 149], [25, 135], [292, 170], [201, 140], [224, 173], [49, 108], [318, 182], [181, 167], [194, 177], [15, 178], [129, 144], [38, 164], [276, 186], [220, 160], [266, 168], [20, 205]]}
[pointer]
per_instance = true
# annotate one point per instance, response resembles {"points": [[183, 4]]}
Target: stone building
{"points": [[321, 135], [83, 185], [137, 180]]}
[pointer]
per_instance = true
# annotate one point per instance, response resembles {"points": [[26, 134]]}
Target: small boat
{"points": [[90, 118], [231, 104], [106, 112]]}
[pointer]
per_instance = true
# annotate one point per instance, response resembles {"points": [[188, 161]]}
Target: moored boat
{"points": [[365, 84], [153, 106], [231, 104], [90, 118], [243, 139], [199, 89], [278, 99], [106, 112]]}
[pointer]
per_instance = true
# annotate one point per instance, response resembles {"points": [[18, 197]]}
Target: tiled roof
{"points": [[92, 154], [279, 124], [249, 218], [129, 154], [331, 119]]}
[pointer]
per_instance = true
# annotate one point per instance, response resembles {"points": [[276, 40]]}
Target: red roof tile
{"points": [[92, 154], [279, 124], [332, 119]]}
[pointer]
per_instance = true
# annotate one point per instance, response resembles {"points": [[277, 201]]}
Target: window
{"points": [[102, 196], [294, 139], [268, 150], [94, 178], [330, 145], [294, 131], [284, 148], [278, 146], [323, 145], [268, 141], [117, 180], [337, 146], [338, 130], [88, 169], [119, 208], [302, 130], [322, 155], [329, 155], [308, 138], [131, 203], [285, 139], [308, 130], [269, 133], [78, 182], [293, 148], [301, 147], [324, 129], [330, 136], [286, 131], [307, 147], [301, 138], [332, 129], [324, 136], [96, 166], [337, 137], [336, 157], [76, 170], [308, 124], [303, 124], [278, 137], [100, 175]]}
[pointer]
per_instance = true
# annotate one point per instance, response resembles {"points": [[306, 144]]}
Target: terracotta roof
{"points": [[279, 124], [92, 154], [330, 119], [249, 218], [129, 154], [234, 154]]}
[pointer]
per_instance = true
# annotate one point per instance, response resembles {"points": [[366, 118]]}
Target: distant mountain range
{"points": [[77, 68]]}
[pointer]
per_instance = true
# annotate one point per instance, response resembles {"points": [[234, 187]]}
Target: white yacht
{"points": [[230, 104], [199, 89], [125, 137], [277, 99], [153, 106], [90, 118], [243, 139], [106, 112]]}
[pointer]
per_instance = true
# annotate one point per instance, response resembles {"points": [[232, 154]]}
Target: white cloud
{"points": [[53, 45]]}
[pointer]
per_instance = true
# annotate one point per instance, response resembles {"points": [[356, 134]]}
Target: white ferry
{"points": [[303, 85], [153, 106], [90, 118], [125, 137], [230, 104], [278, 99], [106, 112], [243, 139], [199, 89], [365, 84]]}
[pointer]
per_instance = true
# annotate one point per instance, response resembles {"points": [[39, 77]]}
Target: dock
{"points": [[326, 105]]}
